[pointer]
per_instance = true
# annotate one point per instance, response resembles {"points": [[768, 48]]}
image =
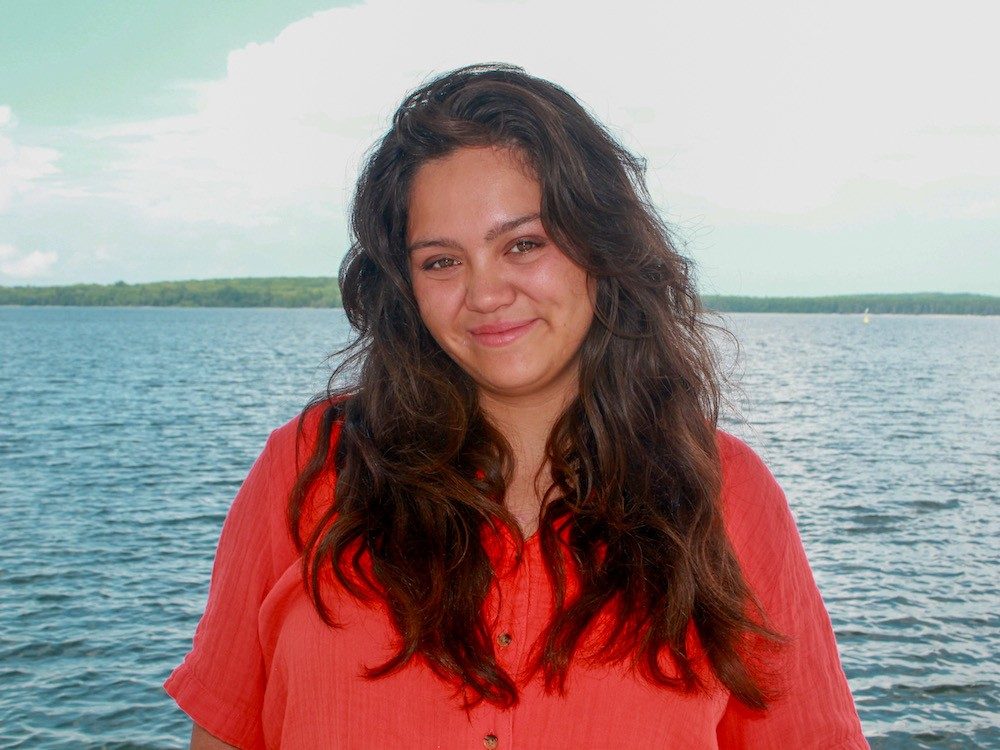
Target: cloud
{"points": [[759, 110], [25, 266], [21, 166], [796, 117]]}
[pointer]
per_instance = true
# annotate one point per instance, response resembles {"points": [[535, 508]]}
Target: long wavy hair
{"points": [[635, 471]]}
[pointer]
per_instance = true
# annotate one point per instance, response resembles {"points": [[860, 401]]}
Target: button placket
{"points": [[519, 614], [511, 585]]}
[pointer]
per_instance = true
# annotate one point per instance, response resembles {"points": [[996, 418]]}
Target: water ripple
{"points": [[118, 471]]}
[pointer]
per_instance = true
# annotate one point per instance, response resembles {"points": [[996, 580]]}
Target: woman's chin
{"points": [[526, 387]]}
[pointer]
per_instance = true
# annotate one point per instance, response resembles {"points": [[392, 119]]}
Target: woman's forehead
{"points": [[470, 189]]}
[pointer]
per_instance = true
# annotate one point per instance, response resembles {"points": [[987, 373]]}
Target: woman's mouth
{"points": [[502, 332]]}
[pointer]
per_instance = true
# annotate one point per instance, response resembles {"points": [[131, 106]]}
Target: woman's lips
{"points": [[503, 333]]}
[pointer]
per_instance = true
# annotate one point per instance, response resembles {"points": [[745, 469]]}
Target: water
{"points": [[125, 433]]}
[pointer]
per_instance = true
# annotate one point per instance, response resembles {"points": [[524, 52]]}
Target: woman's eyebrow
{"points": [[501, 228], [506, 226]]}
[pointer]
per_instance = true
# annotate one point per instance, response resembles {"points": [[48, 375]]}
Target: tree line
{"points": [[300, 291], [280, 291], [920, 303]]}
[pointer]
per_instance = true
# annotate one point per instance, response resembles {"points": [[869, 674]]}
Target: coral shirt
{"points": [[266, 672]]}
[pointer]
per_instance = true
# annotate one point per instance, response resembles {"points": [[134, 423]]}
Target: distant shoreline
{"points": [[322, 292]]}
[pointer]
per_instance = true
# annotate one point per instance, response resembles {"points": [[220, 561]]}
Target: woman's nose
{"points": [[487, 287]]}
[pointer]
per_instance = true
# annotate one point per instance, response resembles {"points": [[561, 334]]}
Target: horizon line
{"points": [[334, 278]]}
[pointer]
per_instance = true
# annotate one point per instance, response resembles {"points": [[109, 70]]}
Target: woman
{"points": [[519, 525]]}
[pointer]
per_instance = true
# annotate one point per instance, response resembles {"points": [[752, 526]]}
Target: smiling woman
{"points": [[506, 303], [518, 525]]}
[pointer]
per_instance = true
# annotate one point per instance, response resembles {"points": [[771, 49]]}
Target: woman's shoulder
{"points": [[290, 452], [741, 464], [755, 510], [292, 443]]}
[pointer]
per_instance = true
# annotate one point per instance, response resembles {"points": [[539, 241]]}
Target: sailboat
{"points": [[867, 318]]}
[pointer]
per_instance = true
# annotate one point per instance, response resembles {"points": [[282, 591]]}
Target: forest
{"points": [[322, 291], [278, 291]]}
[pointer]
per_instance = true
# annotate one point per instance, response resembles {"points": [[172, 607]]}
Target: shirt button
{"points": [[504, 639], [491, 741]]}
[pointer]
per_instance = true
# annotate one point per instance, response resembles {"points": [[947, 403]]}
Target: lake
{"points": [[125, 433]]}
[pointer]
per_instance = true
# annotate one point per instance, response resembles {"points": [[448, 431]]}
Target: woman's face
{"points": [[493, 290]]}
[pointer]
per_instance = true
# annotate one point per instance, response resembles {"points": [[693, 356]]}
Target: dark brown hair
{"points": [[636, 474]]}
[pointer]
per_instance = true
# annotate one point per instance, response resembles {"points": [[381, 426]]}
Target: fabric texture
{"points": [[265, 672]]}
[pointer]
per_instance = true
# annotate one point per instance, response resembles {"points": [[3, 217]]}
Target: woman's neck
{"points": [[526, 424]]}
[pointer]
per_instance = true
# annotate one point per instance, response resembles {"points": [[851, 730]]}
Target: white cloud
{"points": [[750, 107], [25, 266], [796, 117], [21, 167]]}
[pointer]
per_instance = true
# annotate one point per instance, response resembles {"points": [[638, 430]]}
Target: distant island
{"points": [[302, 291], [918, 303], [275, 291]]}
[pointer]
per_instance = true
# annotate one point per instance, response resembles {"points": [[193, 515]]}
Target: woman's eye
{"points": [[524, 246], [438, 263]]}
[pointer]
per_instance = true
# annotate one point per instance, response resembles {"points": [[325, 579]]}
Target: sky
{"points": [[795, 148]]}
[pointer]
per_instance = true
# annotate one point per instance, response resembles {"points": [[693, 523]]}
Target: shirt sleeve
{"points": [[220, 684], [815, 708]]}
